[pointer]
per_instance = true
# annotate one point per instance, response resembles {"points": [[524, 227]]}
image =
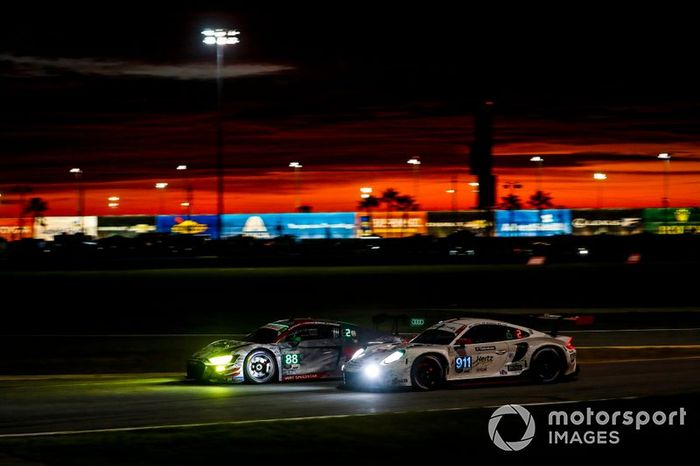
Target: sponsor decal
{"points": [[515, 367], [485, 348]]}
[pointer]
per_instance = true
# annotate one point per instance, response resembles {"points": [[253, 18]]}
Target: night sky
{"points": [[352, 92]]}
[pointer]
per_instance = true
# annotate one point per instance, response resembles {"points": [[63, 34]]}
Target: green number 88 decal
{"points": [[290, 359]]}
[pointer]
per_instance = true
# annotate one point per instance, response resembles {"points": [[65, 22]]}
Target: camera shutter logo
{"points": [[529, 427]]}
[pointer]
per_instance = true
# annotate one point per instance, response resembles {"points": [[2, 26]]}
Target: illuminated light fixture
{"points": [[473, 184], [184, 204], [366, 190], [393, 357], [295, 165], [181, 167], [536, 158], [413, 161], [450, 191], [371, 371], [221, 360], [113, 204], [600, 176], [220, 36], [664, 156], [220, 368], [113, 198], [76, 171], [161, 185], [364, 196], [357, 353]]}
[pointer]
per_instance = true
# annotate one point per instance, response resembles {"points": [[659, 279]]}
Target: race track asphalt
{"points": [[46, 404]]}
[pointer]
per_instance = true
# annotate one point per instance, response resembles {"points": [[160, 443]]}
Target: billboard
{"points": [[15, 228], [441, 224], [546, 222], [587, 222], [196, 225], [300, 225], [47, 227], [672, 221], [391, 224], [125, 225]]}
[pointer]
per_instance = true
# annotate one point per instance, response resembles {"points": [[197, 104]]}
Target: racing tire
{"points": [[547, 365], [427, 373], [260, 367]]}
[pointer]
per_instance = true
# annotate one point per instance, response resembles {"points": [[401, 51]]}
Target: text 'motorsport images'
{"points": [[462, 349], [291, 349]]}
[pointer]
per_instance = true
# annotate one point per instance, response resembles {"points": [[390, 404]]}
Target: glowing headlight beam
{"points": [[393, 357], [358, 353], [221, 360], [371, 371]]}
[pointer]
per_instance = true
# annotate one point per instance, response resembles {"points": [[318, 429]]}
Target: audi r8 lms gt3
{"points": [[293, 349], [462, 349]]}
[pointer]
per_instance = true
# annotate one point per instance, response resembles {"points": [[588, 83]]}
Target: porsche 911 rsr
{"points": [[293, 349], [462, 349]]}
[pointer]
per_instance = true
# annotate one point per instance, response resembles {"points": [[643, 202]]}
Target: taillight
{"points": [[570, 344]]}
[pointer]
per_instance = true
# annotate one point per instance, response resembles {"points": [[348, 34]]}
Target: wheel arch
{"points": [[440, 357]]}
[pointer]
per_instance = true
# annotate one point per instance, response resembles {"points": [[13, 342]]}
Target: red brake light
{"points": [[570, 344]]}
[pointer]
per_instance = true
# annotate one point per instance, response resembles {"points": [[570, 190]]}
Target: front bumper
{"points": [[200, 371], [354, 375]]}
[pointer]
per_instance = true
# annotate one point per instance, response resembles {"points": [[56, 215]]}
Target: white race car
{"points": [[462, 349]]}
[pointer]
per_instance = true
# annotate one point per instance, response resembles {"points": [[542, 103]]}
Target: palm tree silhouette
{"points": [[511, 202], [540, 200], [21, 192]]}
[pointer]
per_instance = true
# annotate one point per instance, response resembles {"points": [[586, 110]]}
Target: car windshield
{"points": [[264, 335], [435, 337]]}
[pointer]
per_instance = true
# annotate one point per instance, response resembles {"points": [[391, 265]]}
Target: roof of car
{"points": [[469, 321]]}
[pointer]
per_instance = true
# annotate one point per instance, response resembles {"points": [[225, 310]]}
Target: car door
{"points": [[311, 349], [481, 351]]}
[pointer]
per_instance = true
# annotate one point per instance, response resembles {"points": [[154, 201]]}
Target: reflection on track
{"points": [[86, 402]]}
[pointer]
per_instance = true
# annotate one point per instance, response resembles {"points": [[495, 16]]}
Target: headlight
{"points": [[221, 360], [393, 357], [371, 371], [358, 353]]}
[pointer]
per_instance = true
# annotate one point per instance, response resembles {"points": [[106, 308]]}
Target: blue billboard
{"points": [[302, 225], [547, 222], [197, 225]]}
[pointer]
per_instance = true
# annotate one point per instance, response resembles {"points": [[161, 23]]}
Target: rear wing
{"points": [[558, 319]]}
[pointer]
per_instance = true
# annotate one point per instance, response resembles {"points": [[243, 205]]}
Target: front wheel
{"points": [[547, 365], [427, 373], [260, 367]]}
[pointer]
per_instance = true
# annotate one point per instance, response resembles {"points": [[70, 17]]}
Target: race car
{"points": [[462, 349], [292, 349]]}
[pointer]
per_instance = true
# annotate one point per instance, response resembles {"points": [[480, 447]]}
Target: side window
{"points": [[486, 334], [313, 332], [515, 333]]}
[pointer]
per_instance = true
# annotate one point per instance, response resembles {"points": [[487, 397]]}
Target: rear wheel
{"points": [[547, 365], [427, 373], [260, 367]]}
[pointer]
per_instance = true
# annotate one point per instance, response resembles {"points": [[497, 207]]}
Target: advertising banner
{"points": [[672, 221], [547, 222], [300, 225], [125, 225], [587, 222], [47, 227], [197, 225], [441, 224], [14, 228], [392, 224]]}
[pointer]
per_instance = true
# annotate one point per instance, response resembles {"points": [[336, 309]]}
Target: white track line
{"points": [[284, 419]]}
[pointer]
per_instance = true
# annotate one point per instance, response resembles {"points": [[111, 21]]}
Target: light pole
{"points": [[475, 189], [189, 190], [600, 177], [220, 38], [453, 193], [365, 194], [538, 160], [297, 184], [78, 174], [160, 186], [666, 158], [415, 162]]}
